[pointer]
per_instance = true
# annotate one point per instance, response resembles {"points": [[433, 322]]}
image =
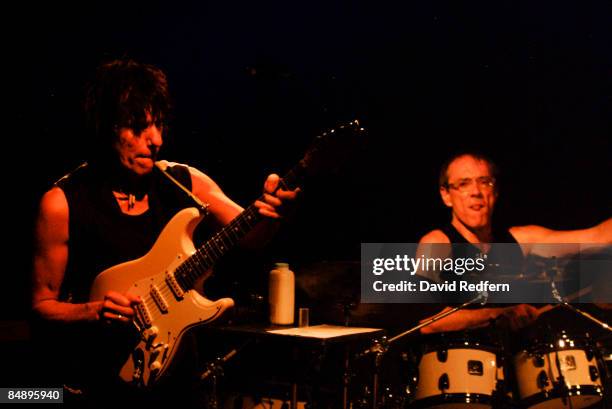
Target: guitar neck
{"points": [[227, 238]]}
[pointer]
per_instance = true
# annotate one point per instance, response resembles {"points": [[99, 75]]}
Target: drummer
{"points": [[468, 186]]}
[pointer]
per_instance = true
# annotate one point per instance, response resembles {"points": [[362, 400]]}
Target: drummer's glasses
{"points": [[465, 185]]}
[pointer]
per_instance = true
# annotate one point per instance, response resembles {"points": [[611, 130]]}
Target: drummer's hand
{"points": [[519, 316]]}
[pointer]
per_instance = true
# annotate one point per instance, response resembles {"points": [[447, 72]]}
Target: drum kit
{"points": [[561, 361], [543, 367]]}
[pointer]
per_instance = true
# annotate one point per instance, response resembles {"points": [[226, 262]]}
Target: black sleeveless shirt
{"points": [[101, 235], [504, 257], [504, 260]]}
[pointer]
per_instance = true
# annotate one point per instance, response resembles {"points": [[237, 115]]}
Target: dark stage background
{"points": [[253, 82]]}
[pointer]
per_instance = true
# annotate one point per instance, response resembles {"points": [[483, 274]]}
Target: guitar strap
{"points": [[163, 167]]}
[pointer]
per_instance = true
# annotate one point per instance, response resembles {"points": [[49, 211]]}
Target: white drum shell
{"points": [[575, 367], [463, 384]]}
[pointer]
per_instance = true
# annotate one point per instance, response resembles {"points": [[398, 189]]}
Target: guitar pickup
{"points": [[144, 316], [174, 285], [159, 299]]}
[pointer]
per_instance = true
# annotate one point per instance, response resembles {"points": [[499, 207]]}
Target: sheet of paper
{"points": [[322, 331]]}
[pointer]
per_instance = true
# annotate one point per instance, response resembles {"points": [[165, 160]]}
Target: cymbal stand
{"points": [[586, 315], [564, 303]]}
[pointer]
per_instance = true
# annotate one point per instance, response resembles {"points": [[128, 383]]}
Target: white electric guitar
{"points": [[164, 278]]}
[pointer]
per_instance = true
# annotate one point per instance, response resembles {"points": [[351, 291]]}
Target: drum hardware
{"points": [[554, 271], [586, 315], [443, 383], [380, 347], [542, 380], [214, 371], [560, 386], [562, 372], [442, 355], [594, 373]]}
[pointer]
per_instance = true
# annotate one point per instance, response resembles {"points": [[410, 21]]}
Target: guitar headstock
{"points": [[332, 148]]}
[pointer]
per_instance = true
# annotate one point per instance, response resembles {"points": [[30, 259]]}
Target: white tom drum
{"points": [[561, 373], [459, 375]]}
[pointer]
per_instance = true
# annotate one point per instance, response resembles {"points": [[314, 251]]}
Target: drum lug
{"points": [[443, 382], [589, 354], [593, 372], [442, 355], [538, 361], [542, 380]]}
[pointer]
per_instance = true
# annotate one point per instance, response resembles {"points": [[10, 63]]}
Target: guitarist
{"points": [[113, 208]]}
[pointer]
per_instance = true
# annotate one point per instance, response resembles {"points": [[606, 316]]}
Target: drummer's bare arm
{"points": [[434, 237], [526, 235], [516, 317], [434, 244], [460, 320]]}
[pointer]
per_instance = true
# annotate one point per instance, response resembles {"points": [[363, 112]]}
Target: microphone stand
{"points": [[560, 384], [214, 370], [380, 347], [480, 298]]}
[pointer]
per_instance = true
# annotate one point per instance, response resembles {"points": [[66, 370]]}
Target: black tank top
{"points": [[506, 259], [500, 260], [101, 235]]}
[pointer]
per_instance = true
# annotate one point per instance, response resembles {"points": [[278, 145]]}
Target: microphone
{"points": [[215, 366]]}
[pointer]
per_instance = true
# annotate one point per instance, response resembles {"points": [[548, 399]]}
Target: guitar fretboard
{"points": [[227, 238]]}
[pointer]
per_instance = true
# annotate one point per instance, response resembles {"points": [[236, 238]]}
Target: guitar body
{"points": [[167, 311]]}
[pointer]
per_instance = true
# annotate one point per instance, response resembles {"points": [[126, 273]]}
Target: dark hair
{"points": [[121, 94], [443, 179]]}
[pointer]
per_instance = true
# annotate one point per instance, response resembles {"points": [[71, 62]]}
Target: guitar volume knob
{"points": [[155, 366], [151, 333]]}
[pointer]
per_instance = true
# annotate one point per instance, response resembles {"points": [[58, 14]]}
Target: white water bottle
{"points": [[282, 294]]}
